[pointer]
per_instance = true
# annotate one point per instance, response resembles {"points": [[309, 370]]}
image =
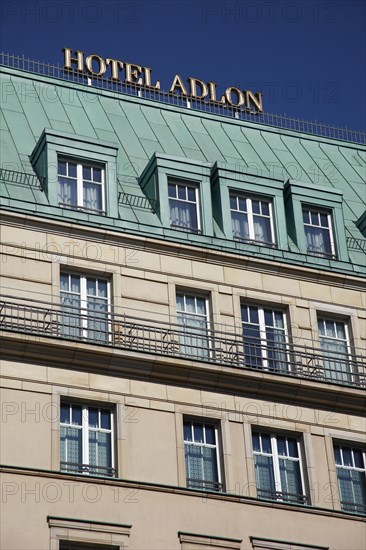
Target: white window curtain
{"points": [[240, 226], [180, 215], [71, 321], [192, 317], [92, 196], [334, 346]]}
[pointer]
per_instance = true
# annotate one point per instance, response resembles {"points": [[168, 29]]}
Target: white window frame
{"points": [[353, 467], [83, 277], [263, 334], [206, 317], [80, 164], [250, 215], [276, 459], [346, 341], [187, 185], [318, 211], [85, 429], [216, 446]]}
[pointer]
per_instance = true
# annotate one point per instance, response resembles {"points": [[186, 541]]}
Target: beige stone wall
{"points": [[149, 426], [157, 517], [149, 429], [144, 283]]}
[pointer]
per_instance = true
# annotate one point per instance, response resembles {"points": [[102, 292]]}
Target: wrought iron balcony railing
{"points": [[355, 508], [203, 342], [78, 468], [281, 495], [204, 485]]}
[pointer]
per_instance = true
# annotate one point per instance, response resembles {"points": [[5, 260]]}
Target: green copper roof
{"points": [[140, 128]]}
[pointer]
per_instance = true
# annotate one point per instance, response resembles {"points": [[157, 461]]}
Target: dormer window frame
{"points": [[54, 145]]}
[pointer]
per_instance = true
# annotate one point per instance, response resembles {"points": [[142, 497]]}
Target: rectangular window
{"points": [[86, 439], [84, 307], [192, 316], [334, 343], [184, 206], [278, 469], [81, 185], [318, 232], [351, 474], [251, 219], [202, 456], [265, 338]]}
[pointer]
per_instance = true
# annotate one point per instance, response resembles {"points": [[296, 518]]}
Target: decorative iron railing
{"points": [[204, 485], [355, 508], [92, 469], [281, 495], [211, 343], [21, 178], [136, 201], [268, 119]]}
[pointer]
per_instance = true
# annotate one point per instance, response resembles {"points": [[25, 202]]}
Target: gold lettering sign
{"points": [[96, 66]]}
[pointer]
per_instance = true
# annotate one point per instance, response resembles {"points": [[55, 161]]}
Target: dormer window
{"points": [[318, 232], [184, 206], [81, 185], [251, 219]]}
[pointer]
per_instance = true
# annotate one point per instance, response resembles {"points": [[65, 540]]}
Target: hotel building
{"points": [[182, 319]]}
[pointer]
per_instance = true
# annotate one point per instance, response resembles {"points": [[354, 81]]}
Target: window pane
{"points": [[191, 194], [290, 478], [264, 476], [314, 218], [292, 447], [233, 202], [102, 289], [92, 196], [210, 435], [210, 465], [240, 226], [71, 169], [337, 454], [180, 302], [256, 207], [256, 442], [187, 431], [243, 204], [171, 190], [105, 419], [62, 167], [75, 283], [281, 446], [64, 282], [87, 173], [357, 455], [324, 220], [97, 174], [198, 433], [347, 456], [340, 331], [77, 415], [262, 229], [100, 452], [65, 413], [93, 418], [181, 192], [265, 208], [266, 443], [91, 287], [67, 191], [70, 447]]}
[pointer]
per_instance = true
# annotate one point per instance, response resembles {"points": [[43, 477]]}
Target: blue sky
{"points": [[307, 57]]}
